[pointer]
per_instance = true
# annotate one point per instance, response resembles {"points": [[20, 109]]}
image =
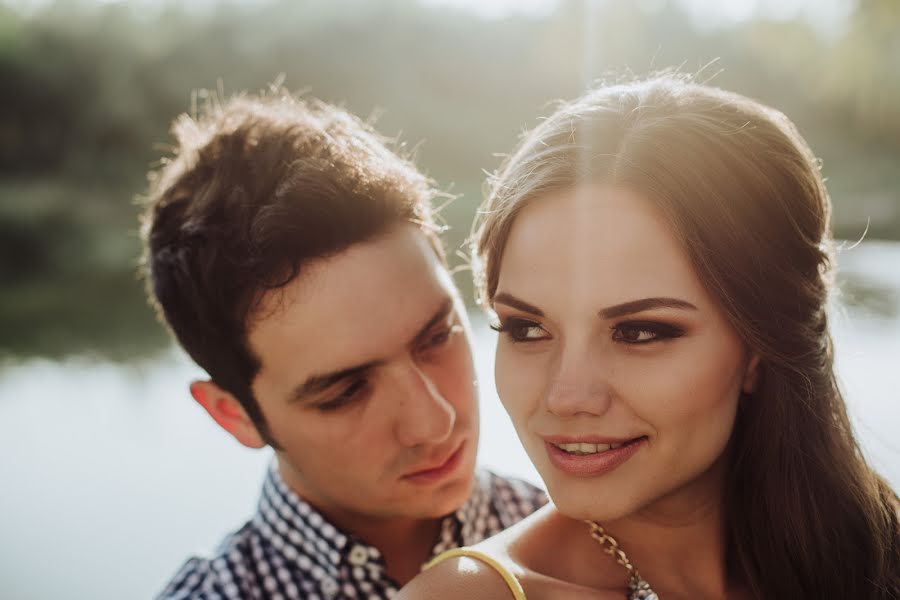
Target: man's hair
{"points": [[256, 188]]}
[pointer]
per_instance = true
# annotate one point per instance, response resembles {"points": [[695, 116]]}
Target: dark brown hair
{"points": [[807, 517], [257, 187]]}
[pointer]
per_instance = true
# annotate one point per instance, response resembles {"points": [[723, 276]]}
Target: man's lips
{"points": [[439, 468]]}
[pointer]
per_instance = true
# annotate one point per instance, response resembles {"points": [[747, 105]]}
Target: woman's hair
{"points": [[807, 517]]}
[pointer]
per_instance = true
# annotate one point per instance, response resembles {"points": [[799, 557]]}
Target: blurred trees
{"points": [[88, 91]]}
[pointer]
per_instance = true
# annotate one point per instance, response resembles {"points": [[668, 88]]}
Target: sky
{"points": [[826, 15]]}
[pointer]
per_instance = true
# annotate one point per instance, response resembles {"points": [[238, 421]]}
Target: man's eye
{"points": [[440, 337], [350, 394], [520, 330], [637, 333]]}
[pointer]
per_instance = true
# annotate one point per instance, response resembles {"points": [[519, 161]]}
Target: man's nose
{"points": [[424, 416]]}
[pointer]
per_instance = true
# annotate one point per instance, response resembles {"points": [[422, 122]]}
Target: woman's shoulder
{"points": [[488, 570], [458, 576], [515, 558], [479, 572]]}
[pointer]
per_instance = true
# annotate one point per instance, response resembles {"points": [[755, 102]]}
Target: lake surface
{"points": [[111, 475]]}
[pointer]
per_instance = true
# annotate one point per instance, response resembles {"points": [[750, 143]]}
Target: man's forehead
{"points": [[403, 254], [352, 307], [296, 355], [345, 366]]}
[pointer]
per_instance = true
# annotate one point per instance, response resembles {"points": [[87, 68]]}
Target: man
{"points": [[296, 259]]}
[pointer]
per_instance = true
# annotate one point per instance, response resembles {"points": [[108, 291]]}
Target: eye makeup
{"points": [[644, 332], [518, 329], [521, 330]]}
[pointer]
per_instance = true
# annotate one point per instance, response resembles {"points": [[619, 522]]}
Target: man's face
{"points": [[367, 381]]}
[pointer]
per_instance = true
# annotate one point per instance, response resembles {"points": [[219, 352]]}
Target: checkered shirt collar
{"points": [[304, 537]]}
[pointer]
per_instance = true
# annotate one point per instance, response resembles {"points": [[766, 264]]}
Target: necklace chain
{"points": [[638, 588], [611, 547]]}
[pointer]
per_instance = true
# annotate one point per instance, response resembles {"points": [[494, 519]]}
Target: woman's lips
{"points": [[592, 465], [431, 475]]}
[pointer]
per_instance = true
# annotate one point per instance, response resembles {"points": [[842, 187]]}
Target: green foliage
{"points": [[90, 90]]}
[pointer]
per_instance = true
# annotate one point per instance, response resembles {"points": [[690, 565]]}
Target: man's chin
{"points": [[451, 497], [439, 501]]}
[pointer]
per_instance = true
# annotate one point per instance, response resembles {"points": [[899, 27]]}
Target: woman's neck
{"points": [[679, 543]]}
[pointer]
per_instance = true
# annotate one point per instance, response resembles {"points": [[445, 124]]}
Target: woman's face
{"points": [[620, 373]]}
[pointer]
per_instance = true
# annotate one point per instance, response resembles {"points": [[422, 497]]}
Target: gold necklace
{"points": [[638, 588]]}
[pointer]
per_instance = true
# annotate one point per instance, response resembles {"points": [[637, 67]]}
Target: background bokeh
{"points": [[109, 475], [90, 87]]}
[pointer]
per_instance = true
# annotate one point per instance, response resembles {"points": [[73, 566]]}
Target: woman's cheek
{"points": [[516, 382], [688, 397]]}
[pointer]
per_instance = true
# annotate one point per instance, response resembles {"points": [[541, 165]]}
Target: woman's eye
{"points": [[350, 394], [520, 330], [643, 333], [633, 335]]}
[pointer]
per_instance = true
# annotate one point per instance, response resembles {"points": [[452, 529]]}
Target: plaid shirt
{"points": [[289, 551]]}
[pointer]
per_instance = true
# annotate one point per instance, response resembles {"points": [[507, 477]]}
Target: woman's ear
{"points": [[751, 375], [227, 411]]}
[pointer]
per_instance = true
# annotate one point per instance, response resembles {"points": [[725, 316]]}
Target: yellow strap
{"points": [[514, 586]]}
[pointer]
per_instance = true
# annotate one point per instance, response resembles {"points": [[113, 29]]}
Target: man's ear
{"points": [[751, 375], [225, 410]]}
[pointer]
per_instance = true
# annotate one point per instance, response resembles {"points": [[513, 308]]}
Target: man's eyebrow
{"points": [[440, 314], [318, 383], [510, 300], [636, 306], [315, 384]]}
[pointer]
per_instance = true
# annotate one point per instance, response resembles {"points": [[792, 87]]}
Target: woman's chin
{"points": [[577, 505]]}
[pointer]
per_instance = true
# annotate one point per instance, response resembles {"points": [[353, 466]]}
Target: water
{"points": [[111, 474]]}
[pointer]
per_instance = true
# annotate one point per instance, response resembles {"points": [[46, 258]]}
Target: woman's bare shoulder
{"points": [[454, 578], [471, 577]]}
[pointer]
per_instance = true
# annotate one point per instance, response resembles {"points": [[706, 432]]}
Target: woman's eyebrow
{"points": [[510, 300], [636, 306]]}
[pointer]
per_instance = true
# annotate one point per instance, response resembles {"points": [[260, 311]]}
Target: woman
{"points": [[657, 256]]}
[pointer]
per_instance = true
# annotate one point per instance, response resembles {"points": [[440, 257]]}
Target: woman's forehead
{"points": [[595, 239]]}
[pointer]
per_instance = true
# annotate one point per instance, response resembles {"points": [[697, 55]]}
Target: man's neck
{"points": [[405, 543]]}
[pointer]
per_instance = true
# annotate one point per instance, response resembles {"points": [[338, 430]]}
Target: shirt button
{"points": [[358, 556], [330, 587]]}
